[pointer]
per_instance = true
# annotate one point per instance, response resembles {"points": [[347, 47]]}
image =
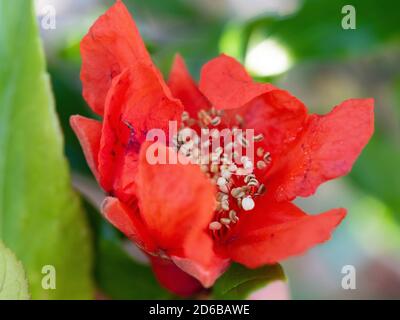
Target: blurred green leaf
{"points": [[170, 8], [69, 101], [231, 40], [177, 26], [117, 274], [376, 172], [239, 282], [315, 30], [13, 283], [40, 216], [371, 215], [121, 277]]}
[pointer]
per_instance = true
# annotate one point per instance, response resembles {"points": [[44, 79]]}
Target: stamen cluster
{"points": [[233, 173]]}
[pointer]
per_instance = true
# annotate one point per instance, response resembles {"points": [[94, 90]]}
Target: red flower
{"points": [[169, 210]]}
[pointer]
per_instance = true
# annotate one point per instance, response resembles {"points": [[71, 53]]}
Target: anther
{"points": [[248, 203], [226, 174], [248, 164], [261, 189], [222, 196], [229, 146], [214, 134], [267, 157], [215, 157], [232, 215], [206, 144], [184, 134], [215, 121], [248, 177], [260, 152], [232, 167], [243, 159], [244, 171], [221, 181], [261, 164], [258, 137], [214, 168], [237, 192], [225, 205], [224, 188], [204, 117], [239, 119], [243, 141], [219, 150], [185, 116], [225, 221], [215, 225], [252, 183]]}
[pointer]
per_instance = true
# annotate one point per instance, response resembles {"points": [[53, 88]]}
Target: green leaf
{"points": [[118, 275], [314, 31], [13, 283], [121, 277], [380, 160], [41, 219], [239, 282]]}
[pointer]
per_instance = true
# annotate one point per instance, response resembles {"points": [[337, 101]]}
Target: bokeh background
{"points": [[299, 46]]}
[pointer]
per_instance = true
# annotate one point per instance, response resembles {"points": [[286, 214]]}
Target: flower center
{"points": [[219, 151]]}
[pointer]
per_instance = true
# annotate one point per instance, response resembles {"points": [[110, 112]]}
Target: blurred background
{"points": [[301, 47]]}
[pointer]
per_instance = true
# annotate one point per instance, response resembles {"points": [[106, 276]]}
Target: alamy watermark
{"points": [[48, 17], [49, 277], [349, 19], [209, 146], [349, 280]]}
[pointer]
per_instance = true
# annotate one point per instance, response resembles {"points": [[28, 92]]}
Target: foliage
{"points": [[41, 218]]}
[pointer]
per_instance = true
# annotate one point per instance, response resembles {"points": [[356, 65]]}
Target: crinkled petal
{"points": [[273, 112], [88, 132], [206, 274], [127, 220], [279, 116], [138, 102], [112, 44], [227, 85], [173, 278], [275, 231], [199, 259], [327, 149], [178, 212], [185, 89], [177, 203]]}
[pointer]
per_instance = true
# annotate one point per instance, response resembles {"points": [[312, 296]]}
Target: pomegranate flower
{"points": [[193, 220]]}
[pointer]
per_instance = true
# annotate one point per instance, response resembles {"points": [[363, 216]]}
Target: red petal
{"points": [[326, 150], [112, 44], [138, 101], [275, 113], [227, 85], [279, 116], [185, 89], [88, 132], [276, 231], [127, 220], [206, 274], [173, 278], [176, 201]]}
